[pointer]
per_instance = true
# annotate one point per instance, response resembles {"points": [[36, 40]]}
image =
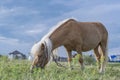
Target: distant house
{"points": [[16, 55], [114, 58]]}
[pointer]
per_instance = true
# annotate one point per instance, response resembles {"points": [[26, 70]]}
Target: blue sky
{"points": [[24, 22]]}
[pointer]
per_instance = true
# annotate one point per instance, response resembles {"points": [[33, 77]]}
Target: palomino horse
{"points": [[74, 36]]}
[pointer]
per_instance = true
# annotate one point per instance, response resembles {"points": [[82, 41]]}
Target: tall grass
{"points": [[19, 70]]}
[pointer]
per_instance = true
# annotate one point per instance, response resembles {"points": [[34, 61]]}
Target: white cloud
{"points": [[114, 51], [104, 9], [34, 32], [32, 29], [10, 41], [88, 7], [5, 1], [16, 11], [65, 2], [5, 12], [93, 12], [115, 37]]}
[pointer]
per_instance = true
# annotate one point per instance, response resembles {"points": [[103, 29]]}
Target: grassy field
{"points": [[19, 70]]}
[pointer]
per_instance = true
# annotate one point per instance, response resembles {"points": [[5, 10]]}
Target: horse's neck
{"points": [[57, 39]]}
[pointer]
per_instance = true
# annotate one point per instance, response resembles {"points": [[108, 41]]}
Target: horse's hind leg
{"points": [[103, 46], [98, 56]]}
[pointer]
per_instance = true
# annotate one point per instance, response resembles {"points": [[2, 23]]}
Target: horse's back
{"points": [[86, 34], [92, 26]]}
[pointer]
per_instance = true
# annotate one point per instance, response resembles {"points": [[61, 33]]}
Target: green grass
{"points": [[19, 70]]}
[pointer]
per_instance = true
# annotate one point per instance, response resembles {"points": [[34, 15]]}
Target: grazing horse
{"points": [[74, 36]]}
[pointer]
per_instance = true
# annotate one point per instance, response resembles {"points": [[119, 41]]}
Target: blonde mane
{"points": [[46, 40], [54, 28]]}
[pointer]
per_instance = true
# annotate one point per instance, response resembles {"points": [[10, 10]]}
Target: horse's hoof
{"points": [[101, 71]]}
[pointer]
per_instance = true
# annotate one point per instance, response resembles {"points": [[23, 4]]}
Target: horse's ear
{"points": [[42, 46]]}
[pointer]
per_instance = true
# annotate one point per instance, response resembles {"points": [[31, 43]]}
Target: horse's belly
{"points": [[86, 49], [91, 42], [89, 47]]}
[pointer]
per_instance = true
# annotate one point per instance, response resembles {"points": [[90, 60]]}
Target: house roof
{"points": [[16, 53]]}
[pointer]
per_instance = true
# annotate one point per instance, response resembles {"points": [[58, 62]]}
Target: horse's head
{"points": [[41, 56]]}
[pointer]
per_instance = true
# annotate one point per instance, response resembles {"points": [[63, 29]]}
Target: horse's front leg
{"points": [[69, 57], [80, 57], [69, 60]]}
